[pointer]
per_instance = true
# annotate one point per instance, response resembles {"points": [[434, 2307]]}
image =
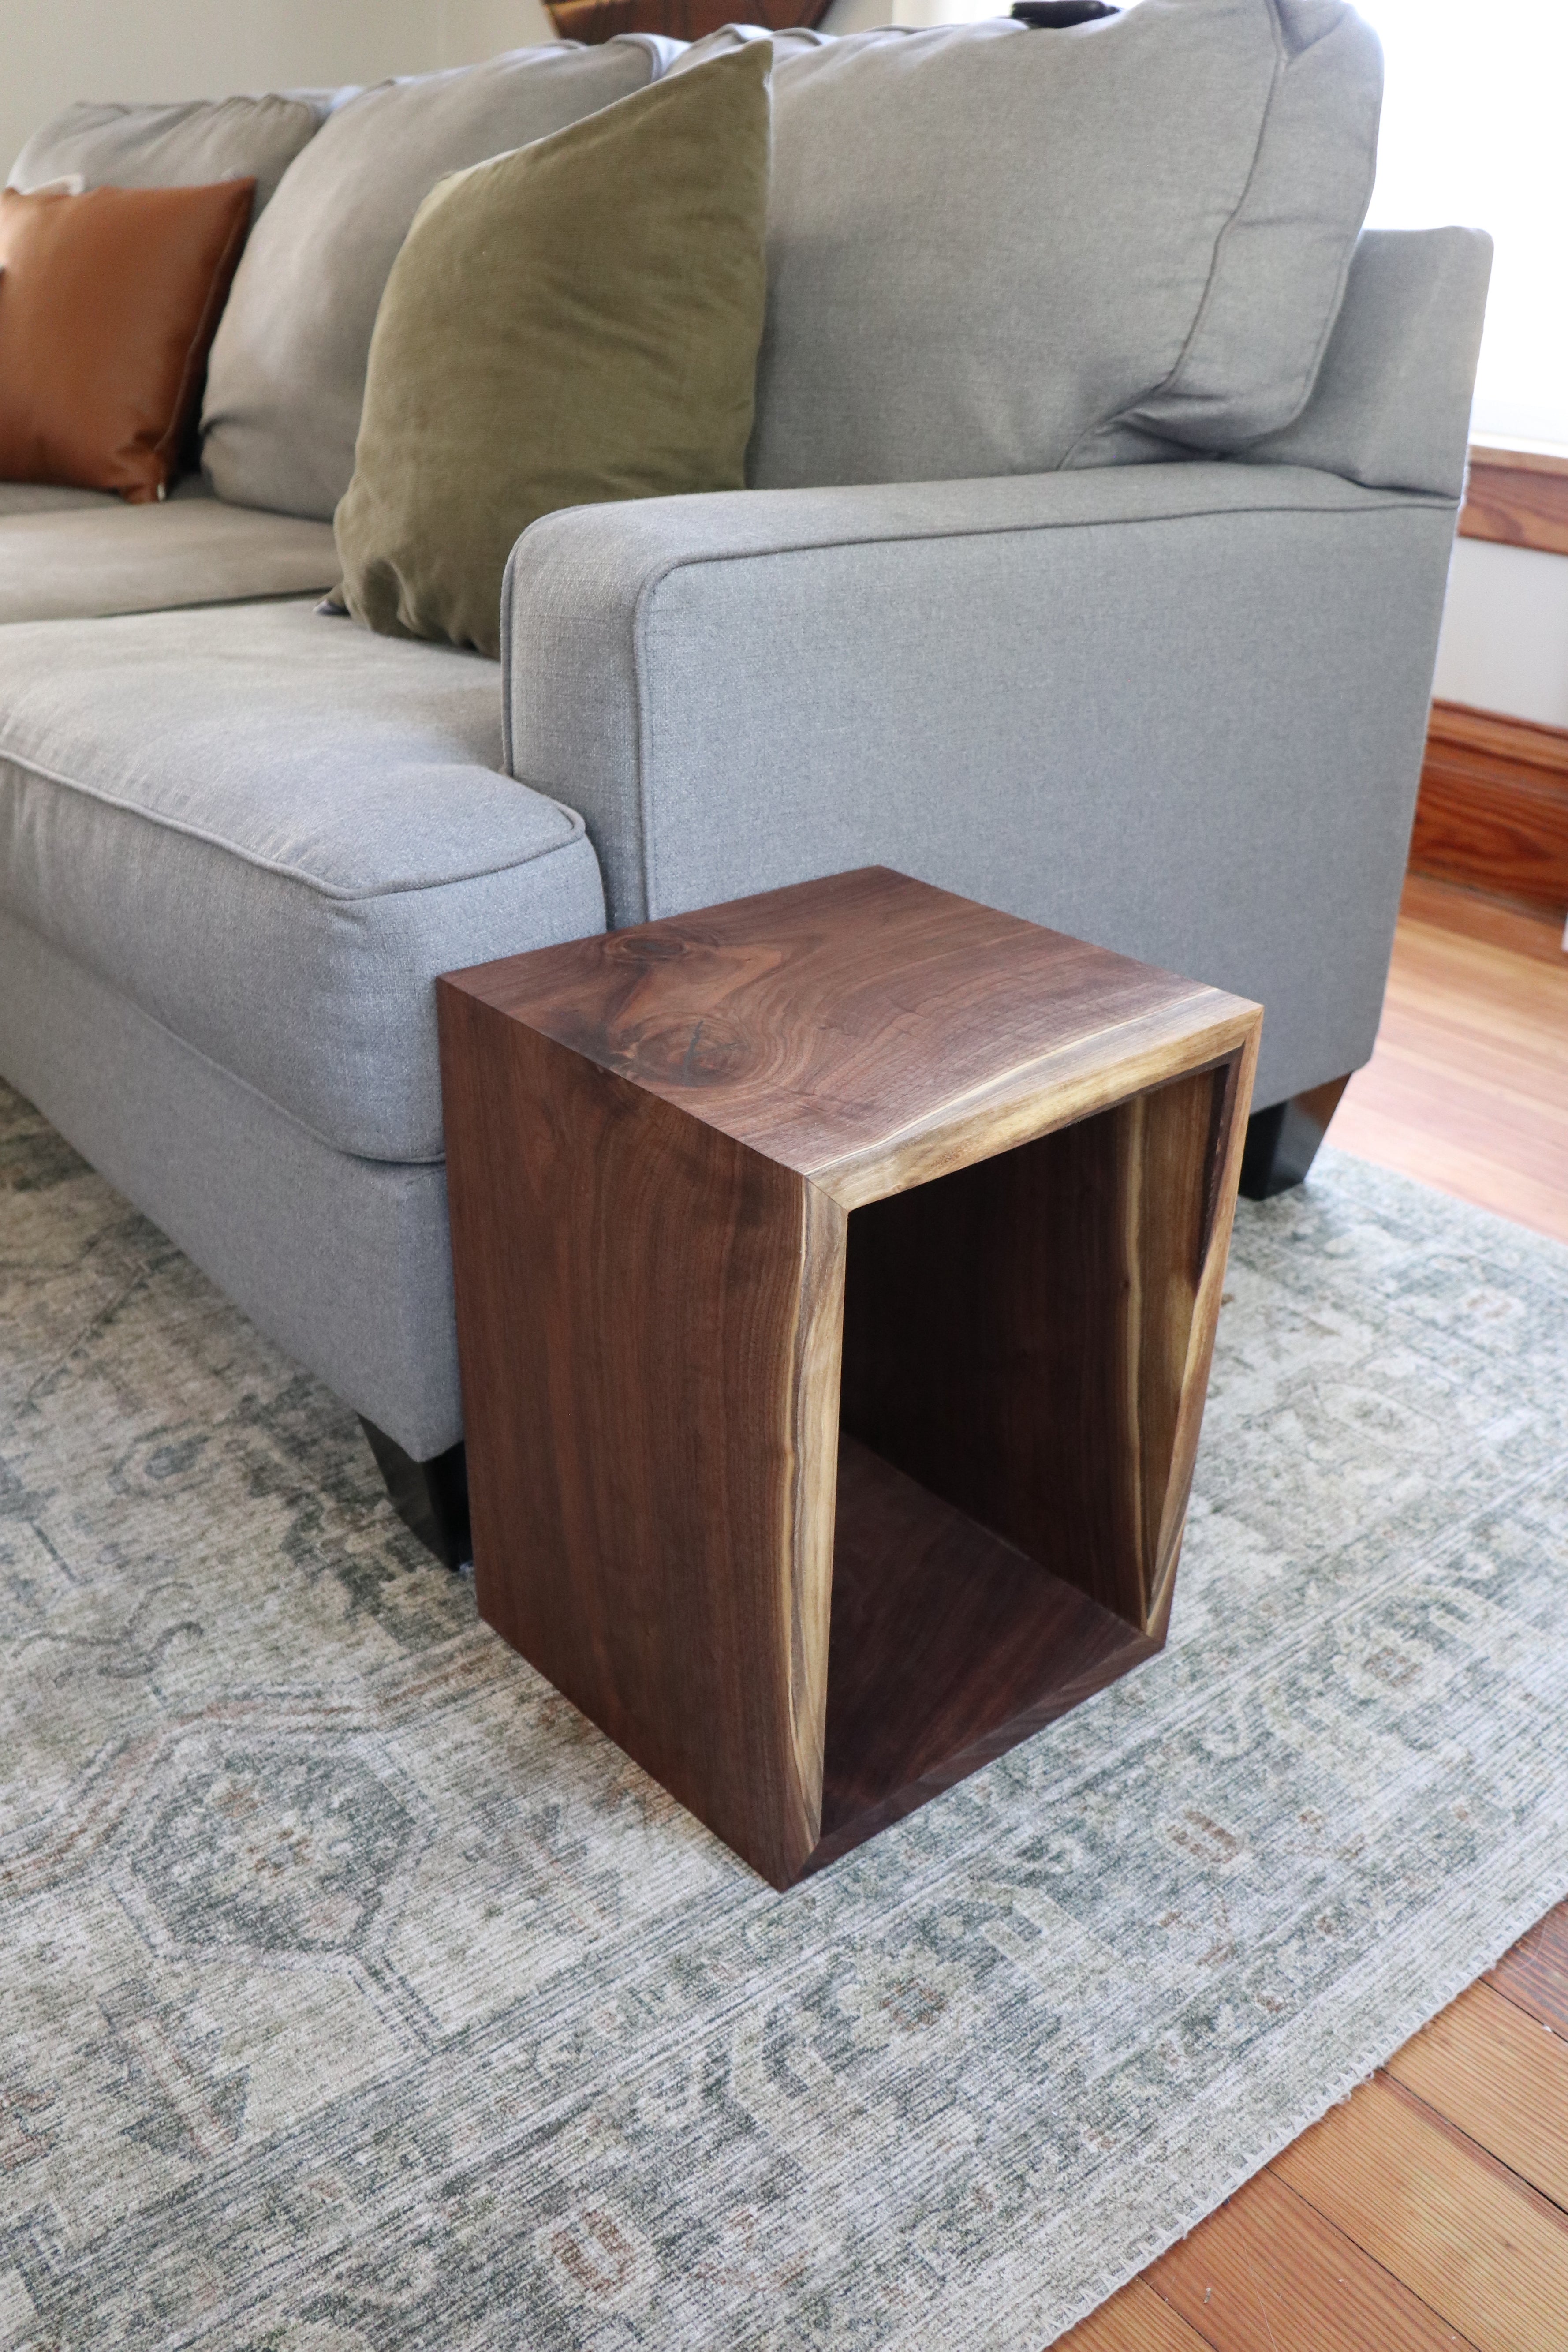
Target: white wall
{"points": [[56, 50], [471, 30], [1505, 631], [1473, 131]]}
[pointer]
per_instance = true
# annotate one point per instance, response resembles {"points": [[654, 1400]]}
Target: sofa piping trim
{"points": [[575, 832], [1354, 498]]}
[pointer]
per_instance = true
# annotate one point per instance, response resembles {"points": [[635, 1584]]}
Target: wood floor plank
{"points": [[1488, 2253], [1457, 989], [1476, 915], [1535, 1975], [1521, 1127], [1135, 2320], [1483, 1178], [1468, 1088], [1267, 2273], [1502, 2077], [1519, 1092], [1524, 1072]]}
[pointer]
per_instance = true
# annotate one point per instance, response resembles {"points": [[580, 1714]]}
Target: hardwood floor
{"points": [[1431, 2209], [1469, 1087]]}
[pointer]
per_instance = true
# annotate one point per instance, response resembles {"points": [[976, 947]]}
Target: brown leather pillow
{"points": [[108, 303]]}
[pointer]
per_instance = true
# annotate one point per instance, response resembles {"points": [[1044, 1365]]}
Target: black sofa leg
{"points": [[1282, 1141], [431, 1497]]}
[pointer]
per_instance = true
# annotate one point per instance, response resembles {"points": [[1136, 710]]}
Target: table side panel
{"points": [[648, 1318]]}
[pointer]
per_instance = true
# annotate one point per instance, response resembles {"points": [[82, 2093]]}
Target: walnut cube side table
{"points": [[837, 1273]]}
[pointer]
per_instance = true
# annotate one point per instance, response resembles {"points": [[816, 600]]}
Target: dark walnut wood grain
{"points": [[947, 1647], [1014, 1327], [859, 1136]]}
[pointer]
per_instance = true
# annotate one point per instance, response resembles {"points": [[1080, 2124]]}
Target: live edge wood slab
{"points": [[837, 1273]]}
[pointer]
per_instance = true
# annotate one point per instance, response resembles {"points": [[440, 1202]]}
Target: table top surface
{"points": [[867, 1030]]}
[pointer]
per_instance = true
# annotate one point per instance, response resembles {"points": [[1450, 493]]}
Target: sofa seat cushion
{"points": [[271, 831], [74, 564]]}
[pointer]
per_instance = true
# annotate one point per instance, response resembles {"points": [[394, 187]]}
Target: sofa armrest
{"points": [[1175, 709], [1391, 407]]}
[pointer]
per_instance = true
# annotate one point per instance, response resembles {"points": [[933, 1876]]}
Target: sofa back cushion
{"points": [[184, 146], [995, 251], [286, 376]]}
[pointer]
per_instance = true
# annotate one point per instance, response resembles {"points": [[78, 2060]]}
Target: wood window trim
{"points": [[1517, 494]]}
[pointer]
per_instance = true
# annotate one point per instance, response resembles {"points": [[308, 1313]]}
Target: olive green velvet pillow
{"points": [[573, 321]]}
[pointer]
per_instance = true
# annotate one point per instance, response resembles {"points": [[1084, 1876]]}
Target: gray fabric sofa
{"points": [[1162, 683]]}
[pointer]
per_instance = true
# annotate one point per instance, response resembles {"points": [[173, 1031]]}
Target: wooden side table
{"points": [[837, 1275]]}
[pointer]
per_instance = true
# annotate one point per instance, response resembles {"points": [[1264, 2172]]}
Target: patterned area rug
{"points": [[356, 1996]]}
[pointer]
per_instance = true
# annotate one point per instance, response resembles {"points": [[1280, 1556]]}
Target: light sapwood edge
{"points": [[812, 1495], [1054, 1090], [1131, 1309], [1200, 1343]]}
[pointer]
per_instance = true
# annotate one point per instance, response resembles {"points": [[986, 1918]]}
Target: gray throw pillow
{"points": [[996, 251], [190, 145], [286, 375]]}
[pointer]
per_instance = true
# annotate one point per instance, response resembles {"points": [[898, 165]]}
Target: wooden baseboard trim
{"points": [[1517, 497], [1494, 807]]}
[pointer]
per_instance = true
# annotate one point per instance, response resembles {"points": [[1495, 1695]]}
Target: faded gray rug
{"points": [[355, 1995]]}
